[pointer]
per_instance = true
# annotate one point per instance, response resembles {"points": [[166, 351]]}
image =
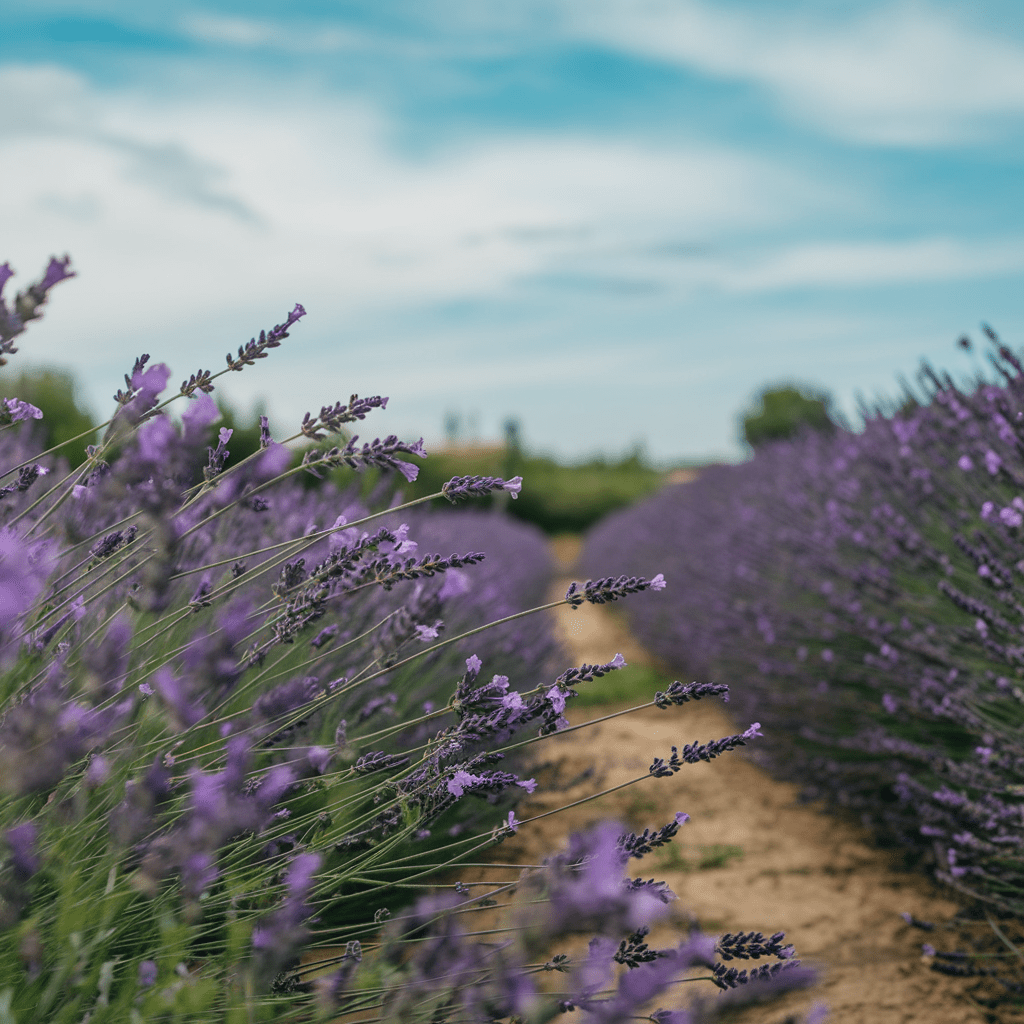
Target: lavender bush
{"points": [[243, 725], [867, 590]]}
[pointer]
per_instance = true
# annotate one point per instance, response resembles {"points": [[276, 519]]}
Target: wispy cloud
{"points": [[862, 264], [902, 75], [272, 34], [752, 267], [318, 197]]}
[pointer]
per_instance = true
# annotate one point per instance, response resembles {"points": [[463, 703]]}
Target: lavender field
{"points": [[245, 743]]}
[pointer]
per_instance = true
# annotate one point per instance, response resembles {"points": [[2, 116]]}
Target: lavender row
{"points": [[865, 594]]}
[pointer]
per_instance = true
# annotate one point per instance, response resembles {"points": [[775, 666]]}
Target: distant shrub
{"points": [[779, 413], [565, 499]]}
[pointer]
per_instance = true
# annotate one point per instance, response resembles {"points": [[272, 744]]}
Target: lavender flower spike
{"points": [[28, 304], [27, 476], [611, 588], [332, 417], [461, 487], [694, 752], [378, 453], [249, 353], [680, 693]]}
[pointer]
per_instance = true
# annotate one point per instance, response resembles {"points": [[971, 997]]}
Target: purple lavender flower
{"points": [[640, 985], [694, 752], [680, 693], [379, 761], [460, 488], [200, 381], [377, 453], [460, 780], [265, 439], [1010, 517], [145, 387], [583, 674], [332, 417], [611, 589], [218, 456], [113, 542], [156, 439], [277, 938], [27, 305], [27, 476], [148, 973], [13, 410], [753, 946], [253, 350], [732, 977], [594, 895], [21, 840], [24, 567], [56, 271], [639, 845], [185, 711]]}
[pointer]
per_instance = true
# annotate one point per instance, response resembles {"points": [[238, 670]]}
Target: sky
{"points": [[614, 220]]}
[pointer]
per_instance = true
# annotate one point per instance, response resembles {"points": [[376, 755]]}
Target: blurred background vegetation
{"points": [[783, 410], [558, 498]]}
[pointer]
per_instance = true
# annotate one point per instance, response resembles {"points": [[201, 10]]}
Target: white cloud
{"points": [[907, 75], [211, 28], [230, 201], [787, 266], [250, 33], [863, 264]]}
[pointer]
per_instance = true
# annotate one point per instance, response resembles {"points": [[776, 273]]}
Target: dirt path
{"points": [[751, 857]]}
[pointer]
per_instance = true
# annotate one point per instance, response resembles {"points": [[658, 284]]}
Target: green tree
{"points": [[781, 412]]}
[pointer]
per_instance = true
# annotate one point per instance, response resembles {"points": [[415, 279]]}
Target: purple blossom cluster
{"points": [[865, 593], [584, 890], [238, 715], [28, 304], [459, 488]]}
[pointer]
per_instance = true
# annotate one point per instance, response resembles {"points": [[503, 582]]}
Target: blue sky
{"points": [[613, 219]]}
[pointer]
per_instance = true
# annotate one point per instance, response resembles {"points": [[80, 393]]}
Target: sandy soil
{"points": [[751, 857]]}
